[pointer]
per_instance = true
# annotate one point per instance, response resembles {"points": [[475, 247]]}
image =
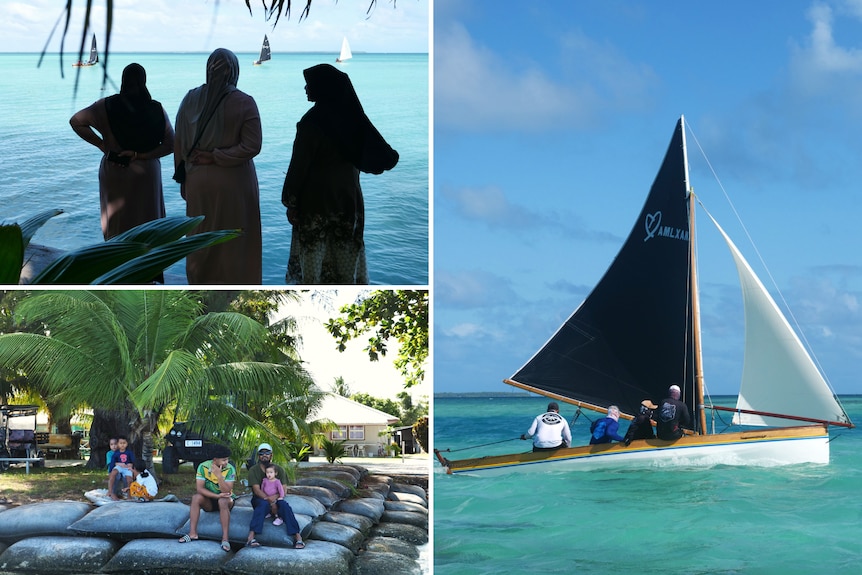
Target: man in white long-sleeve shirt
{"points": [[549, 430]]}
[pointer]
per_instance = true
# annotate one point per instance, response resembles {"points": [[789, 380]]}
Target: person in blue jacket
{"points": [[604, 430]]}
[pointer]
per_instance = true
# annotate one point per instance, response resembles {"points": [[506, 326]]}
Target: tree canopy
{"points": [[385, 314]]}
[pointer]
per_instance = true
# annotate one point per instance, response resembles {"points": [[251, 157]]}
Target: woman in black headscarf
{"points": [[218, 135], [335, 140], [134, 131]]}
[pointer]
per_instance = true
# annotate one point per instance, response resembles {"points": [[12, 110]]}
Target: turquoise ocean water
{"points": [[723, 520], [45, 165]]}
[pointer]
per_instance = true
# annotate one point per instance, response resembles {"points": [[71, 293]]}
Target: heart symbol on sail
{"points": [[652, 224]]}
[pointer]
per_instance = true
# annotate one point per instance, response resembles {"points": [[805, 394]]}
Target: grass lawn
{"points": [[70, 483]]}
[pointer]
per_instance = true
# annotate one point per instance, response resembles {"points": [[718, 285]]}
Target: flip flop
{"points": [[252, 543], [299, 545], [225, 546], [186, 539]]}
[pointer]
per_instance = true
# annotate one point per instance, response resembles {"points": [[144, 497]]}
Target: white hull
{"points": [[763, 448]]}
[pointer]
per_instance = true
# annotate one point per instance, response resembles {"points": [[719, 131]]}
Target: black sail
{"points": [[632, 337], [264, 50]]}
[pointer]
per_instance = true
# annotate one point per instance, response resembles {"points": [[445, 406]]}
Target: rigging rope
{"points": [[475, 446]]}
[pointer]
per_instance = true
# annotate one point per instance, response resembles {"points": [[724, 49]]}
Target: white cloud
{"points": [[477, 89]]}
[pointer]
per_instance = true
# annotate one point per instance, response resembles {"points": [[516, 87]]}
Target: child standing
{"points": [[120, 466], [144, 487], [272, 486]]}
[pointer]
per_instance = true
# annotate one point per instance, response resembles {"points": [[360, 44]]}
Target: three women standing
{"points": [[218, 132], [134, 131]]}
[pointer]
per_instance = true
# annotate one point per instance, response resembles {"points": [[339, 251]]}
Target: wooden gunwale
{"points": [[608, 449]]}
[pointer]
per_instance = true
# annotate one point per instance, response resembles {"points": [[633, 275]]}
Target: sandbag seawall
{"points": [[354, 523]]}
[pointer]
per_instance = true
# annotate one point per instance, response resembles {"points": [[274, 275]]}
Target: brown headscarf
{"points": [[201, 103], [222, 76], [137, 121], [339, 114]]}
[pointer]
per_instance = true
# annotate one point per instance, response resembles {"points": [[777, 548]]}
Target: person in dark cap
{"points": [[549, 430], [261, 502], [214, 479], [641, 425], [334, 141], [673, 416]]}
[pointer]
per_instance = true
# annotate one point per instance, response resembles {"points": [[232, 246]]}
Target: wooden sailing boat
{"points": [[265, 53], [638, 332], [92, 60], [345, 54]]}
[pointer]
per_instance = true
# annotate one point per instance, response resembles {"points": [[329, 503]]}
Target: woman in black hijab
{"points": [[132, 131], [335, 140]]}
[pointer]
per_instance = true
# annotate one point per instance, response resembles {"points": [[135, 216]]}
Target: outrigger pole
{"points": [[782, 416]]}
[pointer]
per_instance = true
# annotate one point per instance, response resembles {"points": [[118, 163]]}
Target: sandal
{"points": [[187, 538], [252, 543], [225, 546], [299, 545]]}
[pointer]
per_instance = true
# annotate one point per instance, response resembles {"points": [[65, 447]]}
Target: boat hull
{"points": [[762, 447]]}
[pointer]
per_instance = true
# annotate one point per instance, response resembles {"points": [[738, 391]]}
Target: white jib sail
{"points": [[778, 374]]}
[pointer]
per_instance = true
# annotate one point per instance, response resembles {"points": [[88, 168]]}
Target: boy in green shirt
{"points": [[214, 482]]}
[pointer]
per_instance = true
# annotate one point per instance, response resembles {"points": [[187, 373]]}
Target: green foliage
{"points": [[157, 349], [420, 433], [385, 314], [384, 405], [135, 256], [333, 450]]}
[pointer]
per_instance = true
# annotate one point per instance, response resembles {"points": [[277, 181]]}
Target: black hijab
{"points": [[137, 121], [339, 114]]}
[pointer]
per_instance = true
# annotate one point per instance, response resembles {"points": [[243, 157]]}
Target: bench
{"points": [[25, 460], [59, 444]]}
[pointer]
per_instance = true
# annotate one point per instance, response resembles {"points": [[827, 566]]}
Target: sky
{"points": [[551, 120], [318, 349], [203, 25]]}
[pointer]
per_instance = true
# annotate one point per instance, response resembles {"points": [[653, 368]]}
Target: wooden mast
{"points": [[695, 299]]}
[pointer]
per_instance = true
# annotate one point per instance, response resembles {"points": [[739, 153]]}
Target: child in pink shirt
{"points": [[272, 486]]}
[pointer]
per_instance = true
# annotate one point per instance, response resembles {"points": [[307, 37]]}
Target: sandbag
{"points": [[48, 518], [126, 520], [58, 555], [318, 557], [167, 557]]}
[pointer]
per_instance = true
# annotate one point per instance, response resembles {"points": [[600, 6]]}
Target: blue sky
{"points": [[551, 121], [203, 25]]}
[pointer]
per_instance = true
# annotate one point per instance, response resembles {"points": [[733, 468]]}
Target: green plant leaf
{"points": [[145, 267], [11, 253], [31, 225], [159, 231], [84, 265]]}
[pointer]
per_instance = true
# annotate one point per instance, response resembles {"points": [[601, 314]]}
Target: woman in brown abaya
{"points": [[134, 131], [335, 140], [221, 181]]}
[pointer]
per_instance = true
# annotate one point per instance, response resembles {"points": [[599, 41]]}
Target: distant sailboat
{"points": [[346, 54], [94, 56], [265, 53]]}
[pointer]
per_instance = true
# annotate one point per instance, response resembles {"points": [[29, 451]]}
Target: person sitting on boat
{"points": [[673, 416], [549, 430], [641, 425], [604, 430]]}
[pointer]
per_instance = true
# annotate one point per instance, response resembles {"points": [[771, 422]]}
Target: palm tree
{"points": [[130, 355], [341, 387]]}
